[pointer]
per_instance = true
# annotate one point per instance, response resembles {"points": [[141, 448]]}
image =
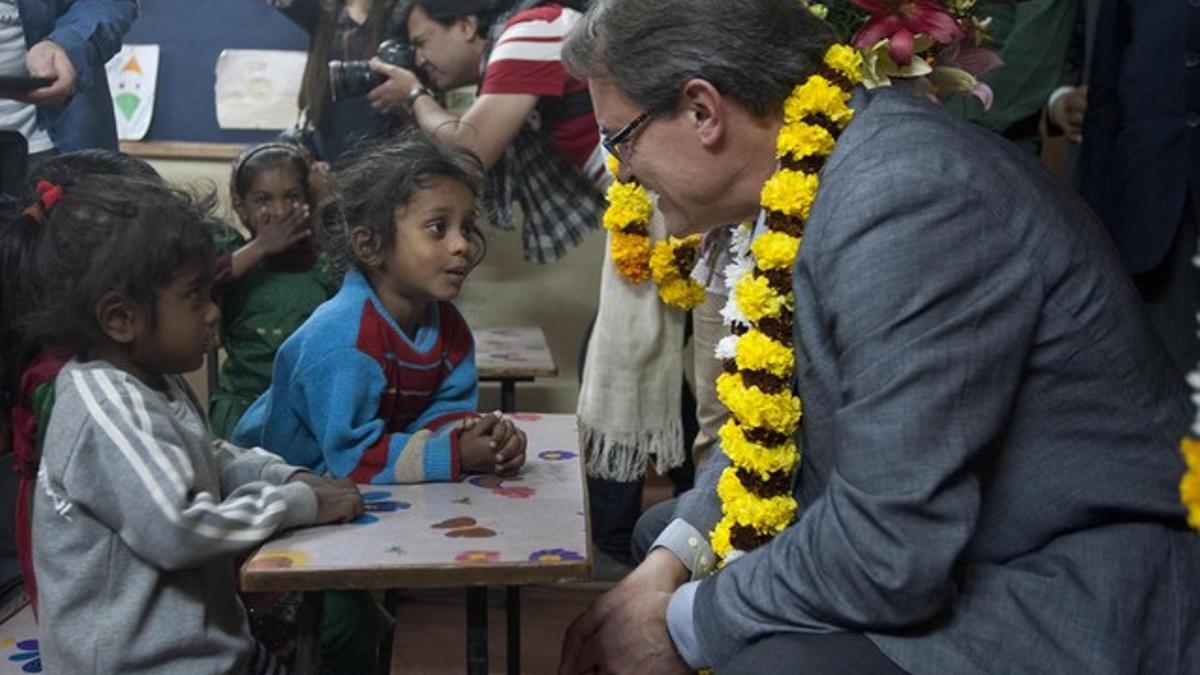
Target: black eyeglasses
{"points": [[613, 143]]}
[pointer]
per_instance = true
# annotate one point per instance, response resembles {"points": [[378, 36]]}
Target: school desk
{"points": [[511, 355], [483, 531]]}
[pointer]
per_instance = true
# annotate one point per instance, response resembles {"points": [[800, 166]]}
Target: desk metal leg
{"points": [[513, 604], [308, 641], [477, 630], [508, 396]]}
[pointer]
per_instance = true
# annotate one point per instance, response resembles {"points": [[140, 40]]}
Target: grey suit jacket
{"points": [[990, 430]]}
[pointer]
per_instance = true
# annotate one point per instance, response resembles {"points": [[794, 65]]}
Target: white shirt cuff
{"points": [[1057, 94], [682, 627], [689, 546]]}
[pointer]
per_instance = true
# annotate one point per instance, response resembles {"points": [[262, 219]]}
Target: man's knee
{"points": [[649, 526]]}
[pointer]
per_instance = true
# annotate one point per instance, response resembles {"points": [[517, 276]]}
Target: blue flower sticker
{"points": [[556, 455], [30, 654], [378, 502], [554, 555]]}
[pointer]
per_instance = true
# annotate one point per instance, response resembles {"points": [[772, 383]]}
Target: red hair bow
{"points": [[48, 193]]}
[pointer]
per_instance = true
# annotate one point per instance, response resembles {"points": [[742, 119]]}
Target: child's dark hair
{"points": [[258, 158], [107, 234], [375, 179], [19, 237], [69, 166]]}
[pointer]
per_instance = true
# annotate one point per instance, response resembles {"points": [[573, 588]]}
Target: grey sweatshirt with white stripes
{"points": [[138, 516]]}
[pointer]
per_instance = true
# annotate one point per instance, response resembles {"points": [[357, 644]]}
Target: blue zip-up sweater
{"points": [[351, 395]]}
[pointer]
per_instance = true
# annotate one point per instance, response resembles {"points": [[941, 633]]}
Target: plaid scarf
{"points": [[559, 202]]}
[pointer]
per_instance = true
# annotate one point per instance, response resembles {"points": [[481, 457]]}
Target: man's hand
{"points": [[625, 630], [47, 59], [1068, 111], [388, 98]]}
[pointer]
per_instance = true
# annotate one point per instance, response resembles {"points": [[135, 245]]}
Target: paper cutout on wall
{"points": [[132, 80], [258, 88]]}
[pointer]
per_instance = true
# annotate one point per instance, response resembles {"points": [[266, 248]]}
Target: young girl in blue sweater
{"points": [[379, 385]]}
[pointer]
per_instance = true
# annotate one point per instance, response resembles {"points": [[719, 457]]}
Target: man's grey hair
{"points": [[754, 51]]}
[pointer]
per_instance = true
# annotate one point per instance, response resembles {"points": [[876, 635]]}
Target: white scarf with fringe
{"points": [[629, 399]]}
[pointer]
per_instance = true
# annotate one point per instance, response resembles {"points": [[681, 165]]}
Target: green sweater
{"points": [[260, 310]]}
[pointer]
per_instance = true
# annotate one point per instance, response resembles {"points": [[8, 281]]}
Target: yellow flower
{"points": [[754, 457], [758, 300], [756, 351], [845, 60], [790, 192], [818, 96], [613, 165], [631, 254], [775, 250], [628, 203], [772, 514], [1189, 487], [682, 293], [752, 407], [802, 140], [720, 538]]}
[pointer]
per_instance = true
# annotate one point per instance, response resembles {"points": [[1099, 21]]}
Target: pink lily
{"points": [[898, 21]]}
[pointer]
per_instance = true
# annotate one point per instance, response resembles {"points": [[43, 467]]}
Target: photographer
{"points": [[338, 114], [532, 124]]}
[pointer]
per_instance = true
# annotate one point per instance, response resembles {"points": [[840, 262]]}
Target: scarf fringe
{"points": [[622, 456]]}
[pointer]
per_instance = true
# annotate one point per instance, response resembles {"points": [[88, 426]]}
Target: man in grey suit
{"points": [[990, 469]]}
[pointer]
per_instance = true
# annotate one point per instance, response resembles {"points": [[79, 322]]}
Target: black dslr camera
{"points": [[348, 79]]}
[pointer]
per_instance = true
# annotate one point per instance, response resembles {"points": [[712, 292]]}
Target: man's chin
{"points": [[677, 222]]}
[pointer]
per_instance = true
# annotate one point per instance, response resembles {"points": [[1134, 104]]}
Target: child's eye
{"points": [[262, 200], [436, 227]]}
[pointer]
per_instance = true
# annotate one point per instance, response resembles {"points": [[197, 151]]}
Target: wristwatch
{"points": [[411, 98]]}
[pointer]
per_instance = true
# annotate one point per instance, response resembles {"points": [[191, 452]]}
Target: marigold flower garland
{"points": [[1189, 485], [756, 489], [669, 262]]}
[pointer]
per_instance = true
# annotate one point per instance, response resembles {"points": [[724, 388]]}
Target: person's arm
{"points": [[486, 128], [132, 471], [84, 38], [338, 396], [932, 309]]}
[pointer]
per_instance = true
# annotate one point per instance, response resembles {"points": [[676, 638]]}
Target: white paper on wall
{"points": [[132, 81], [258, 88]]}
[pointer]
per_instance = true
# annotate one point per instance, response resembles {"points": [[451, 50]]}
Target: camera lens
{"points": [[348, 79]]}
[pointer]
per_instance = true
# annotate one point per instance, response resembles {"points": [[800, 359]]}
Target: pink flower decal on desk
{"points": [[554, 555], [526, 417], [477, 557], [29, 656], [378, 502], [556, 455]]}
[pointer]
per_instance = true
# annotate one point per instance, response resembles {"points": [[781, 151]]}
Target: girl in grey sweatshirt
{"points": [[139, 512]]}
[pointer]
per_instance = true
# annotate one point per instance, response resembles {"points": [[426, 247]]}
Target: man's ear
{"points": [[469, 24], [707, 110], [118, 318], [366, 246]]}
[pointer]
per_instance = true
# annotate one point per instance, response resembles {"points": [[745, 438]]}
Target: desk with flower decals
{"points": [[483, 531], [511, 355]]}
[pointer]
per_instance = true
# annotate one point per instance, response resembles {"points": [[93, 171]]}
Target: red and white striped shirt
{"points": [[527, 59]]}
